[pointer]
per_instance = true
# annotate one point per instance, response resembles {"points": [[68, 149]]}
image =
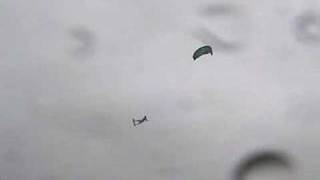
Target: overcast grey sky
{"points": [[74, 73]]}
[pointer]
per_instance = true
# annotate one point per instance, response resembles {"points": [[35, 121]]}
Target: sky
{"points": [[73, 75]]}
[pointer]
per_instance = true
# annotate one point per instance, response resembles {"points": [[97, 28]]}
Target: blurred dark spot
{"points": [[307, 27], [218, 9], [265, 160], [208, 37], [217, 43], [86, 40]]}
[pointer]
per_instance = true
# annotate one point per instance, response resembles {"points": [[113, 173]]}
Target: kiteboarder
{"points": [[139, 121]]}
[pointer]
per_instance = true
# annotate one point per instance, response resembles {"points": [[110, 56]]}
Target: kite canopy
{"points": [[202, 51]]}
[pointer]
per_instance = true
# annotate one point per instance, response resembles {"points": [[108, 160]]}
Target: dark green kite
{"points": [[202, 51]]}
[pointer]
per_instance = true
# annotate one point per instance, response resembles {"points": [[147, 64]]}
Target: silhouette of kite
{"points": [[202, 51], [139, 121]]}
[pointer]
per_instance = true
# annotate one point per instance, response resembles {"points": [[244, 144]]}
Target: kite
{"points": [[202, 51]]}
